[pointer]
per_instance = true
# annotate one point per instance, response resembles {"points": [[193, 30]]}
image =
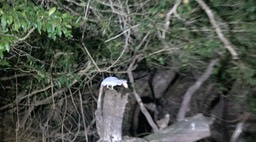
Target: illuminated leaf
{"points": [[51, 11]]}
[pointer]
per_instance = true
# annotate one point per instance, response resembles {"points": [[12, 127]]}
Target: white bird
{"points": [[111, 82]]}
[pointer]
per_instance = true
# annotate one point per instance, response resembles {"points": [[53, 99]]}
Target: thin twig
{"points": [[122, 53], [227, 43], [26, 116], [21, 96], [12, 77], [27, 35], [82, 111], [88, 53], [169, 16], [124, 26], [87, 9], [118, 35], [138, 99], [142, 41], [48, 99], [193, 89]]}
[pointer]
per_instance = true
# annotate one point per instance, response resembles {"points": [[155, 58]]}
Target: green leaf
{"points": [[3, 22], [51, 11], [1, 46], [16, 26], [49, 28], [7, 47], [58, 30], [161, 60], [9, 20], [65, 15], [1, 54], [39, 26], [1, 12], [68, 26]]}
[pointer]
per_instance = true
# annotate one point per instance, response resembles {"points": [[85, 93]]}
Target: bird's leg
{"points": [[110, 87]]}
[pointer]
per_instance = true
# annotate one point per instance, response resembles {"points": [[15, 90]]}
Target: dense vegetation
{"points": [[53, 55]]}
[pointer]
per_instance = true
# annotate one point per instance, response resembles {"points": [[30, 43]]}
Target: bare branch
{"points": [[193, 89], [237, 132], [82, 111], [27, 35], [227, 43], [122, 53], [12, 77], [168, 17], [88, 53], [239, 128], [48, 99], [21, 96], [138, 99], [118, 35], [26, 116], [87, 9]]}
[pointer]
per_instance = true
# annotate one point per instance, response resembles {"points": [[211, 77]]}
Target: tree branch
{"points": [[227, 43], [193, 89], [27, 35], [168, 17], [138, 99], [239, 128]]}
